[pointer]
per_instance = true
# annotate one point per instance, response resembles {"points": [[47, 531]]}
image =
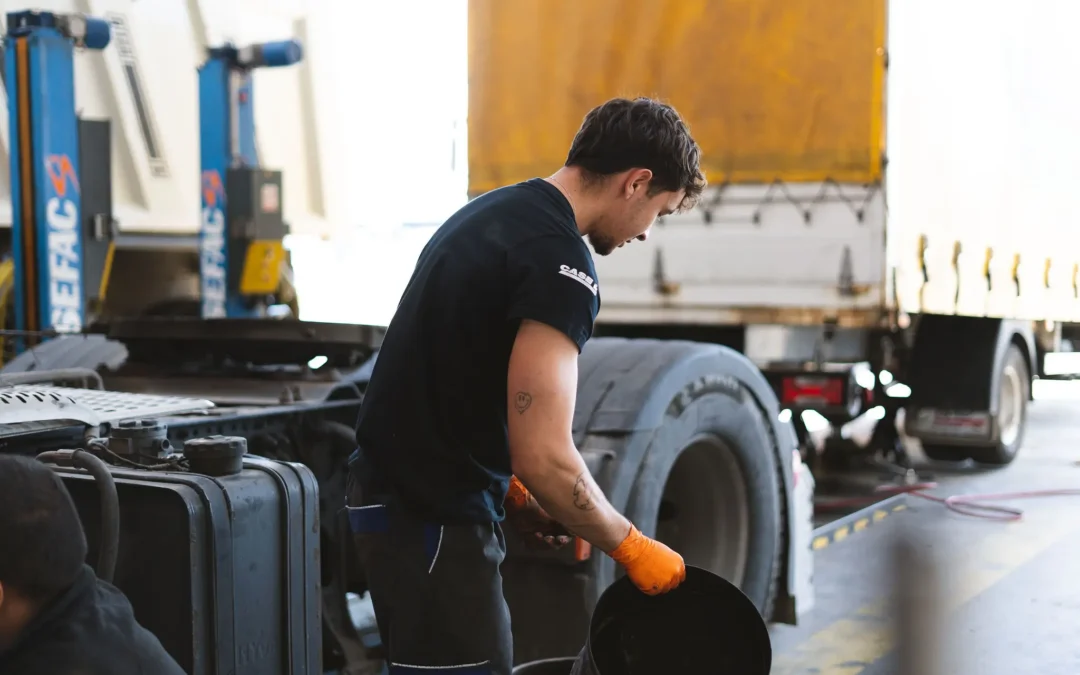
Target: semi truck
{"points": [[888, 227], [887, 208], [686, 437]]}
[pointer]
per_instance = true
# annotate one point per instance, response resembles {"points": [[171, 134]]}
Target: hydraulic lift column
{"points": [[48, 228], [240, 239]]}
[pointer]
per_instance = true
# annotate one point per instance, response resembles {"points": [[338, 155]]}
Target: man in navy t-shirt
{"points": [[467, 419]]}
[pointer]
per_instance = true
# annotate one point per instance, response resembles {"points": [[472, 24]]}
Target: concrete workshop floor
{"points": [[1012, 590]]}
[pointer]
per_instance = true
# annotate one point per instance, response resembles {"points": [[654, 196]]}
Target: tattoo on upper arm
{"points": [[522, 402], [583, 493]]}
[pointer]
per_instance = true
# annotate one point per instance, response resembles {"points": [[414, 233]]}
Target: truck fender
{"points": [[1021, 334]]}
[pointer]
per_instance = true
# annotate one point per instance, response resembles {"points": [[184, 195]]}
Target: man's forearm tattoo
{"points": [[522, 401], [583, 493]]}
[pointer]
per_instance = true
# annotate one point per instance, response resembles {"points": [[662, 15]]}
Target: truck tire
{"points": [[685, 450], [1013, 392]]}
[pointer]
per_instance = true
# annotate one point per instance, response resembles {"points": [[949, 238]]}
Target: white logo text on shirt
{"points": [[580, 277]]}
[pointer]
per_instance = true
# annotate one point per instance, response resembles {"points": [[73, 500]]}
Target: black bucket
{"points": [[706, 626], [559, 666]]}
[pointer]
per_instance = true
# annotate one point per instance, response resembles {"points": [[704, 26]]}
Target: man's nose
{"points": [[644, 235]]}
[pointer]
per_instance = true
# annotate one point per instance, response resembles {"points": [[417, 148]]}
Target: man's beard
{"points": [[601, 245]]}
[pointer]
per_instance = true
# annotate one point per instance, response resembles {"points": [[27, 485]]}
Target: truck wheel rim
{"points": [[705, 511], [1011, 409]]}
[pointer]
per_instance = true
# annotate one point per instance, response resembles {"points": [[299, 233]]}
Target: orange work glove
{"points": [[653, 567], [518, 496], [524, 513]]}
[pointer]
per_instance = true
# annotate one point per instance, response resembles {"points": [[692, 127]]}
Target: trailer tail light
{"points": [[812, 390]]}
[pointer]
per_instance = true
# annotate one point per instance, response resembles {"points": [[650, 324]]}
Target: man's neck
{"points": [[568, 181]]}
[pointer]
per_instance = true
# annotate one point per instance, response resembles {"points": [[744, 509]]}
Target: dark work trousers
{"points": [[436, 590]]}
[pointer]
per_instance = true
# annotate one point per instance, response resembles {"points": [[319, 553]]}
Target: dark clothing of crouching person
{"points": [[56, 616]]}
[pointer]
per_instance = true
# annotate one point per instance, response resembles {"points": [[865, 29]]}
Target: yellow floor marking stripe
{"points": [[849, 645]]}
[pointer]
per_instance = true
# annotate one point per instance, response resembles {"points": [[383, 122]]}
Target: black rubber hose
{"points": [[85, 375], [109, 546]]}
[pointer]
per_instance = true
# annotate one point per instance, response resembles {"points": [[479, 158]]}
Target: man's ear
{"points": [[636, 182]]}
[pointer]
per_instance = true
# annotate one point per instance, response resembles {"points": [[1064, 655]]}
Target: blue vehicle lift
{"points": [[241, 246], [61, 253], [49, 235]]}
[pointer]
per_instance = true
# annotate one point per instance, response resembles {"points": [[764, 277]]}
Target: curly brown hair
{"points": [[624, 134]]}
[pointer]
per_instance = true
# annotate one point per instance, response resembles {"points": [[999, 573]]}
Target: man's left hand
{"points": [[536, 527]]}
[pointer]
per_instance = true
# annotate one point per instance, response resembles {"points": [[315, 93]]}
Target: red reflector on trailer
{"points": [[808, 390]]}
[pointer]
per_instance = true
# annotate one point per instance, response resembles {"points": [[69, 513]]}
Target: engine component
{"points": [[141, 441], [27, 405], [91, 351], [110, 504], [223, 570], [82, 376], [161, 340], [314, 431], [216, 455], [90, 406]]}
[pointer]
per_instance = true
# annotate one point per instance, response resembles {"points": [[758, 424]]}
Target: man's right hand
{"points": [[653, 567], [537, 528]]}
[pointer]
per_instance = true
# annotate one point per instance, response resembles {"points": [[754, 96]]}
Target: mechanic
{"points": [[56, 616], [467, 417]]}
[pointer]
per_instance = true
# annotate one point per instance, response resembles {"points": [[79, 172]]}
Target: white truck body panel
{"points": [[757, 259], [164, 40], [981, 147], [982, 140]]}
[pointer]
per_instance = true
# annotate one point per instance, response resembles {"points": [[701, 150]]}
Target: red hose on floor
{"points": [[968, 505]]}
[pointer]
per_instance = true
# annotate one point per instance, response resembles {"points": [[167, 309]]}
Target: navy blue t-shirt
{"points": [[432, 434]]}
